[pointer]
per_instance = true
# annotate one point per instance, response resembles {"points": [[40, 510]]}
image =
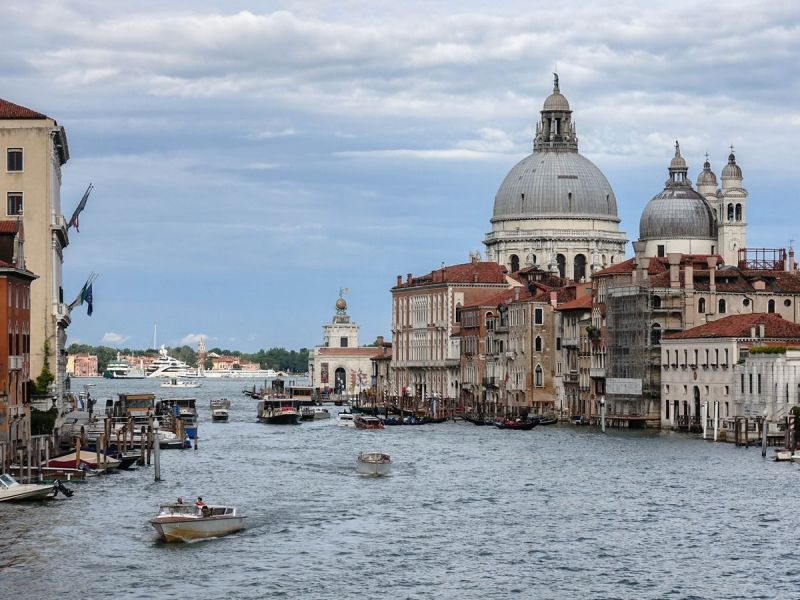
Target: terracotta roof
{"points": [[583, 302], [9, 225], [775, 327], [9, 110], [471, 272], [366, 351]]}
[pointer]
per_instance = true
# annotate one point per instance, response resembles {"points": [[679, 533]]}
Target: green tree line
{"points": [[280, 359]]}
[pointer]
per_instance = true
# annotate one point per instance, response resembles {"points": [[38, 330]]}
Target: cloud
{"points": [[266, 134], [192, 339], [113, 338]]}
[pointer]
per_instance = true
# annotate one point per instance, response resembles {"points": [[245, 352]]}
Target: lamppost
{"points": [[156, 450]]}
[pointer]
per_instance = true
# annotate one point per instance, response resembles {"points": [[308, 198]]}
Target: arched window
{"points": [[538, 376], [561, 261], [655, 334], [701, 306], [771, 306], [537, 344], [579, 267], [514, 259], [612, 259], [656, 301], [738, 212], [730, 212], [722, 307]]}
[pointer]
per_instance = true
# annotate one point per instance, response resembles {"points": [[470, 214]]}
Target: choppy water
{"points": [[468, 512]]}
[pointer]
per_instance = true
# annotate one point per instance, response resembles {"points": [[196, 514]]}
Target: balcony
{"points": [[571, 342], [59, 227], [62, 315], [15, 363], [597, 372], [490, 382], [511, 355], [571, 377]]}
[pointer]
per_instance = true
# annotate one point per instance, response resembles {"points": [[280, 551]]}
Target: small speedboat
{"points": [[783, 455], [373, 463], [188, 522], [345, 419], [219, 410], [11, 490]]}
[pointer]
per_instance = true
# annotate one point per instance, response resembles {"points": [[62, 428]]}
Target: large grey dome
{"points": [[556, 185], [677, 213]]}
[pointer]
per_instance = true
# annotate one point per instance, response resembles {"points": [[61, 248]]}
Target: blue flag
{"points": [[87, 297]]}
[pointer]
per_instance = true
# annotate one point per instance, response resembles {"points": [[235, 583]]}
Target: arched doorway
{"points": [[561, 261], [514, 263], [696, 404], [340, 380]]}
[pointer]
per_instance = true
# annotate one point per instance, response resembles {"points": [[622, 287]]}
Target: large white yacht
{"points": [[120, 369], [167, 366]]}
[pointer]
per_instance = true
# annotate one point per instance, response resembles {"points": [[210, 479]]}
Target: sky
{"points": [[251, 158]]}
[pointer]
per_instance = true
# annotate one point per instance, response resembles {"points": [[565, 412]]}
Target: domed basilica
{"points": [[555, 209]]}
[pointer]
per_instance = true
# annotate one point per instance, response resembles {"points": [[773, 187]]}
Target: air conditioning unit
{"points": [[14, 363]]}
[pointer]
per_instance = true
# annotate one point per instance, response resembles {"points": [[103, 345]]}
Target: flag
{"points": [[88, 300], [73, 222]]}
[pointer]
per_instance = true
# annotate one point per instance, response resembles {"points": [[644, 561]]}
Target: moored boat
{"points": [[368, 422], [519, 424], [373, 463], [79, 460], [549, 420], [12, 491], [186, 522]]}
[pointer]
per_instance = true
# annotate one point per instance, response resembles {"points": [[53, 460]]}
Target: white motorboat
{"points": [[174, 382], [784, 454], [167, 366], [11, 490], [345, 419], [373, 463], [187, 522]]}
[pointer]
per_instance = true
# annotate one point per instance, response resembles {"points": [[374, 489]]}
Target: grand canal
{"points": [[468, 512]]}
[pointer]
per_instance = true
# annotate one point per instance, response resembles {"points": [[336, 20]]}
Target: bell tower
{"points": [[732, 212]]}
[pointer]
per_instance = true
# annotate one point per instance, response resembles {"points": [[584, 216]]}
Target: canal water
{"points": [[467, 512]]}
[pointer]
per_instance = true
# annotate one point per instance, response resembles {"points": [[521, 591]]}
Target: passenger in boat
{"points": [[180, 500], [199, 503], [206, 512]]}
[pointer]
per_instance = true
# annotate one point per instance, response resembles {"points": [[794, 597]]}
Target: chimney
{"points": [[791, 261], [444, 274], [475, 277], [674, 259], [379, 341], [645, 264], [553, 299], [516, 293], [409, 278], [688, 276], [399, 280], [752, 332], [712, 273], [638, 251], [761, 328]]}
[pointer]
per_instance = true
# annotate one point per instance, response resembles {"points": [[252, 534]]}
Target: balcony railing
{"points": [[59, 226], [597, 372]]}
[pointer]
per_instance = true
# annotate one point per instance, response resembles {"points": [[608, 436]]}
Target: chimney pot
{"points": [[761, 328], [409, 279], [399, 280]]}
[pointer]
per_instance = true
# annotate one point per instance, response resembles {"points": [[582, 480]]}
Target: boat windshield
{"points": [[7, 480], [180, 509]]}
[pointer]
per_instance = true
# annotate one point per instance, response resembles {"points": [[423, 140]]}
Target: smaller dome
{"points": [[556, 102], [706, 176], [678, 163], [732, 170]]}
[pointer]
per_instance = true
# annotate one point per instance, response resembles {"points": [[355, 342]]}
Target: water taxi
{"points": [[187, 522], [373, 463]]}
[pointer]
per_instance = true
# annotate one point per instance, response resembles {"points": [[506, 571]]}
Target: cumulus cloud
{"points": [[192, 339], [111, 337]]}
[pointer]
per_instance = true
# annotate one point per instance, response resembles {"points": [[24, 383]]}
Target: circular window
{"points": [[787, 302], [746, 302]]}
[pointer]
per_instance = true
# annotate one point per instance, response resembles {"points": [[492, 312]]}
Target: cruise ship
{"points": [[167, 366], [120, 369]]}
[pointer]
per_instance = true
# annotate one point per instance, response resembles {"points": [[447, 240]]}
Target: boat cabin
{"points": [[131, 405]]}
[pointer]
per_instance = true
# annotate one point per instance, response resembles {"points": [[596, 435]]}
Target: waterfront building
{"points": [[555, 209], [35, 149], [382, 370], [340, 365], [15, 329], [425, 356], [701, 366], [707, 221], [576, 338], [82, 365]]}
